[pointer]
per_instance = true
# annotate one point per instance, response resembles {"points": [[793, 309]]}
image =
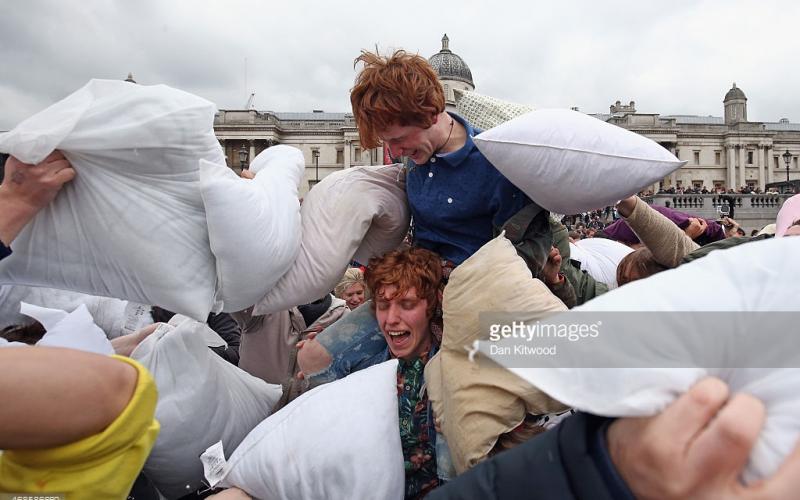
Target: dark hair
{"points": [[27, 334], [637, 265]]}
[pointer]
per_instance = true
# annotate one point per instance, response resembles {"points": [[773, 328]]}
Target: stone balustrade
{"points": [[751, 211]]}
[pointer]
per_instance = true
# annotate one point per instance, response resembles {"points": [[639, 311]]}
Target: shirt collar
{"points": [[456, 157]]}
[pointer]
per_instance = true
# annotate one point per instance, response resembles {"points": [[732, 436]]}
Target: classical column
{"points": [[742, 165], [224, 151], [770, 166], [252, 144], [762, 185], [731, 155], [347, 143], [673, 177]]}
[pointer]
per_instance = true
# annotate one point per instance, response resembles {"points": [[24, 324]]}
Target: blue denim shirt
{"points": [[457, 200]]}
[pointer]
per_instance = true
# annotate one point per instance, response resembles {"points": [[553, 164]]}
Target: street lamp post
{"points": [[243, 156], [787, 157], [315, 153]]}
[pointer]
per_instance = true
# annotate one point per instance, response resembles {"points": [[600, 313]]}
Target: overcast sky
{"points": [[677, 57]]}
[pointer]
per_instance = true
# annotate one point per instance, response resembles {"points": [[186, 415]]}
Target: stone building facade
{"points": [[721, 152]]}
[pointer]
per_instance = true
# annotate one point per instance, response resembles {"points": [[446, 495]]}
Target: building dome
{"points": [[449, 66], [734, 93]]}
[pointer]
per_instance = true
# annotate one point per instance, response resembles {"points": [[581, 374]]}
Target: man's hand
{"points": [[247, 174], [550, 271], [731, 227], [126, 344], [697, 447], [696, 227], [26, 189], [625, 207]]}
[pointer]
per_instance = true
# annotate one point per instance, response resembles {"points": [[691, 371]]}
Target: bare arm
{"points": [[56, 396]]}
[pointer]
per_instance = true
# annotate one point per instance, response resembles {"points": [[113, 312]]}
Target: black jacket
{"points": [[567, 462]]}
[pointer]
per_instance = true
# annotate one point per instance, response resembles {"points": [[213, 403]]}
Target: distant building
{"points": [[721, 152]]}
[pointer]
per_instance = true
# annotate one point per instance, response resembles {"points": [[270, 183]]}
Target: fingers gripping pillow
{"points": [[747, 280], [477, 401], [202, 399], [254, 221], [553, 154], [131, 225], [356, 213], [340, 440]]}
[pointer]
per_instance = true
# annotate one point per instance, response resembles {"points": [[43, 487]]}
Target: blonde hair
{"points": [[351, 277]]}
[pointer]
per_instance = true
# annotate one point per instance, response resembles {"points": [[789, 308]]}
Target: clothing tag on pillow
{"points": [[215, 468]]}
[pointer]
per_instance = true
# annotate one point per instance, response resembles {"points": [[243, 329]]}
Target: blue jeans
{"points": [[354, 342]]}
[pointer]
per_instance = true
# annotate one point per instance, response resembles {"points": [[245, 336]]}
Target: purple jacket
{"points": [[620, 231]]}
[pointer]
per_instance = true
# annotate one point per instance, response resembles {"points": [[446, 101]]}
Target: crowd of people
{"points": [[393, 309]]}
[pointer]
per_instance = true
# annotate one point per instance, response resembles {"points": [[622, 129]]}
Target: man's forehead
{"points": [[389, 292]]}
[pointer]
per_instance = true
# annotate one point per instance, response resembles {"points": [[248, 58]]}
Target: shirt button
{"points": [[430, 174], [433, 160], [449, 200]]}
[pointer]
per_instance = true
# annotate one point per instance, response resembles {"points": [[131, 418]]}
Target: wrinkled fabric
{"points": [[619, 230]]}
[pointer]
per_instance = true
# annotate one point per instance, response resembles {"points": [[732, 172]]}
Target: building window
{"points": [[749, 157], [794, 162], [697, 184], [340, 156], [717, 157], [678, 154], [697, 157], [357, 154], [719, 184], [751, 185], [777, 165]]}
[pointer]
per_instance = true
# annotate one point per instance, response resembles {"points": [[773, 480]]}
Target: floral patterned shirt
{"points": [[417, 433]]}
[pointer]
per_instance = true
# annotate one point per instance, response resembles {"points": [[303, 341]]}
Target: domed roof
{"points": [[449, 66], [734, 93]]}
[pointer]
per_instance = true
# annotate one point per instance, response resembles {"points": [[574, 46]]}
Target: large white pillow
{"points": [[115, 317], [486, 112], [356, 213], [131, 225], [202, 399], [599, 257], [711, 310], [569, 162], [253, 225], [340, 440]]}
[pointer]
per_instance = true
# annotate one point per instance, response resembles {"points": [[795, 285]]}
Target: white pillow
{"points": [[356, 213], [131, 225], [253, 225], [599, 257], [202, 399], [569, 162], [486, 112], [340, 440], [736, 283]]}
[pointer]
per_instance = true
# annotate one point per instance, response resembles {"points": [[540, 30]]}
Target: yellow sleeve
{"points": [[102, 466]]}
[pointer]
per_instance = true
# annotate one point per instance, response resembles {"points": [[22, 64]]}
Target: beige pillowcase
{"points": [[357, 213], [476, 402], [486, 112]]}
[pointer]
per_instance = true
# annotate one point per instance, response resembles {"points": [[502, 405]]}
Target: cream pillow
{"points": [[476, 402], [486, 112], [355, 213], [569, 162]]}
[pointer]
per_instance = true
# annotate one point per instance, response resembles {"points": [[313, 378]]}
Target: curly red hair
{"points": [[411, 268], [401, 89]]}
